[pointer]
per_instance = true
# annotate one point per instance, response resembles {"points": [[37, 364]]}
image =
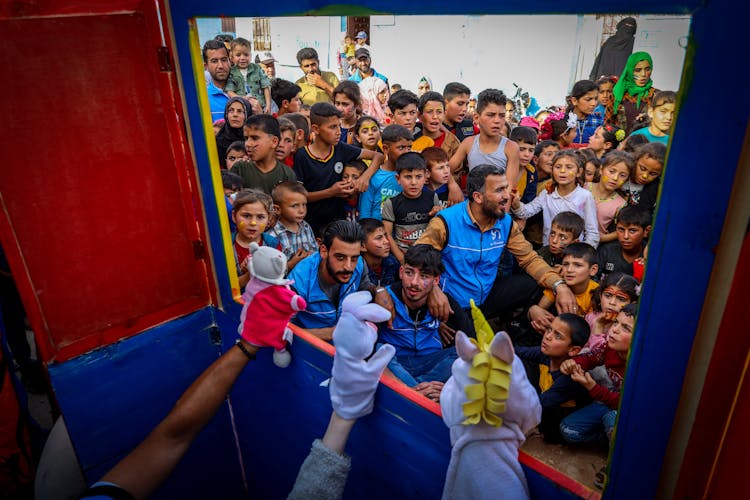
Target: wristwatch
{"points": [[557, 284]]}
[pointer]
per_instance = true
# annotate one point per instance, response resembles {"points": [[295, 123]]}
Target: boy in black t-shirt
{"points": [[320, 165], [406, 215], [633, 225]]}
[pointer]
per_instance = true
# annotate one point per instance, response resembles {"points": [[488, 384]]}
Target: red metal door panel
{"points": [[97, 229]]}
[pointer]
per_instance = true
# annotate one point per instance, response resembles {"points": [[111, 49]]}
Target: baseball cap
{"points": [[362, 53], [265, 57], [361, 34]]}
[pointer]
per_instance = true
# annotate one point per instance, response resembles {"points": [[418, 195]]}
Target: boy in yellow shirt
{"points": [[580, 264]]}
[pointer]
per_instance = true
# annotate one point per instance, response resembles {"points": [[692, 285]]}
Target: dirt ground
{"points": [[580, 463]]}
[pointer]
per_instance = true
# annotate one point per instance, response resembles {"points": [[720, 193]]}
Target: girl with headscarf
{"points": [[235, 113], [374, 93], [423, 86], [632, 94]]}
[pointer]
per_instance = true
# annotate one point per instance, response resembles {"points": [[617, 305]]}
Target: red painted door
{"points": [[98, 218]]}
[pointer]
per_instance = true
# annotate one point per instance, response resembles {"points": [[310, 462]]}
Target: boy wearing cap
{"points": [[364, 70]]}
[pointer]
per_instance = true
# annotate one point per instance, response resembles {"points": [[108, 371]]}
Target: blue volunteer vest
{"points": [[471, 257], [407, 336], [321, 312]]}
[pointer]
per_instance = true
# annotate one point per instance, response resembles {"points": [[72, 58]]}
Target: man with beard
{"points": [[421, 360], [216, 64], [364, 68], [316, 85], [326, 278], [472, 237]]}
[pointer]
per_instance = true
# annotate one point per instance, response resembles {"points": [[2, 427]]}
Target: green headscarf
{"points": [[626, 84]]}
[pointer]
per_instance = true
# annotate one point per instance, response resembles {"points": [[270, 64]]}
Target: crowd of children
{"points": [[582, 189]]}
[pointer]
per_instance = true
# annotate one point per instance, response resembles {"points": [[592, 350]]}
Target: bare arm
{"points": [[146, 467], [512, 166], [456, 162]]}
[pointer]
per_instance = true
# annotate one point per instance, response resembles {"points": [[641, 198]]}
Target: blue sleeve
{"points": [[531, 353], [368, 207]]}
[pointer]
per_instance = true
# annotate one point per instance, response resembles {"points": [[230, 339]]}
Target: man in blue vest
{"points": [[472, 237], [325, 278], [422, 361]]}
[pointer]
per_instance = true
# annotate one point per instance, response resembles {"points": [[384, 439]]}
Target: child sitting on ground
{"points": [[351, 173], [579, 265], [376, 251], [246, 77], [616, 169], [661, 115], [563, 194], [558, 394], [615, 292], [406, 215], [643, 186], [286, 148], [566, 229], [597, 419], [633, 224], [251, 212], [294, 234], [384, 184], [438, 173]]}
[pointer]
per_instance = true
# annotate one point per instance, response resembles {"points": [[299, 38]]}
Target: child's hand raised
{"points": [[583, 378], [540, 318], [568, 366]]}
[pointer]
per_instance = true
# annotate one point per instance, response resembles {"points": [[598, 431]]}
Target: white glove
{"points": [[354, 380]]}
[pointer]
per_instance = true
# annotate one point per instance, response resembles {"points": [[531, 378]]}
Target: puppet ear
{"points": [[465, 348], [502, 347]]}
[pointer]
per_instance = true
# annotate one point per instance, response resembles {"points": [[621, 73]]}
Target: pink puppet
{"points": [[269, 303]]}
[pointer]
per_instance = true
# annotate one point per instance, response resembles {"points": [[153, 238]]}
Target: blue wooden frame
{"points": [[688, 223]]}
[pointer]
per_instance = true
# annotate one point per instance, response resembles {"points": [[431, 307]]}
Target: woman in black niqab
{"points": [[615, 51]]}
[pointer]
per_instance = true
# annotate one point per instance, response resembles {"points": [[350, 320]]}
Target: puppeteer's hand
{"points": [[354, 380], [265, 337]]}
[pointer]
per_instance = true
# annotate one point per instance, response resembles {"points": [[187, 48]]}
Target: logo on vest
{"points": [[338, 167], [496, 235]]}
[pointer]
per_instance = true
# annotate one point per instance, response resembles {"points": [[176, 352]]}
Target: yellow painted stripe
{"points": [[213, 156]]}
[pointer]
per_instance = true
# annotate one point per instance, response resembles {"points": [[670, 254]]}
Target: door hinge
{"points": [[164, 59]]}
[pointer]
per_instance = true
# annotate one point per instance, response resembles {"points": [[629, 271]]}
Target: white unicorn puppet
{"points": [[489, 406]]}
